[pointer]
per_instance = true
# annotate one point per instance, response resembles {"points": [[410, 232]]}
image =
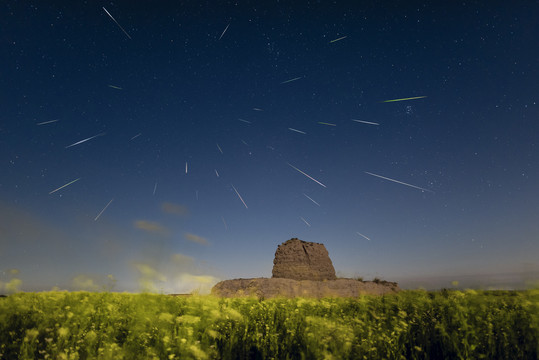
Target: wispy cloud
{"points": [[151, 226], [196, 239], [175, 209]]}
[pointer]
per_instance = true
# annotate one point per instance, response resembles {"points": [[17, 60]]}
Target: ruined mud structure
{"points": [[302, 268]]}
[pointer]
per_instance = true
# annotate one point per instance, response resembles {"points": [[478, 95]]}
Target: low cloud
{"points": [[182, 261], [175, 274], [93, 282], [196, 239], [175, 209], [151, 226], [13, 286], [201, 284], [150, 279]]}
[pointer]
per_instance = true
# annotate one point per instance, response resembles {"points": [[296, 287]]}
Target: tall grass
{"points": [[409, 325]]}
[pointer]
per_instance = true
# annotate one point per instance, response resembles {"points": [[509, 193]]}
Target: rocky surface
{"points": [[301, 260], [265, 288]]}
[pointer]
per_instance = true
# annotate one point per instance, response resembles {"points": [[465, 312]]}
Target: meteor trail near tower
{"points": [[237, 193], [399, 182]]}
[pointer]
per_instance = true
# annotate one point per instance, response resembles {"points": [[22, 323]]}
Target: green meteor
{"points": [[341, 38], [63, 186], [404, 99]]}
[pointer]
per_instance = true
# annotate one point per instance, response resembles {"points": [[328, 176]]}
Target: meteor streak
{"points": [[404, 99], [218, 147], [307, 196], [399, 182], [365, 122], [102, 211], [313, 179], [341, 38], [294, 79], [305, 221], [360, 234], [325, 123], [298, 131], [115, 87], [224, 31], [63, 186], [237, 193], [82, 141], [113, 19], [224, 222], [47, 122]]}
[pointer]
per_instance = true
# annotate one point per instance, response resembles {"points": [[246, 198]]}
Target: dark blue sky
{"points": [[202, 145]]}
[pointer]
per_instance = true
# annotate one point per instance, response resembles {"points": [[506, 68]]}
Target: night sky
{"points": [[195, 137]]}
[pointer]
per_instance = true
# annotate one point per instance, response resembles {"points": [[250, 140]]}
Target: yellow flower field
{"points": [[410, 325]]}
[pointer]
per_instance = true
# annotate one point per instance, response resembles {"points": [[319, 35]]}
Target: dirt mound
{"points": [[264, 288]]}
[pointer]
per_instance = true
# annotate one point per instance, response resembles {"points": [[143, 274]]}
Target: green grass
{"points": [[410, 325]]}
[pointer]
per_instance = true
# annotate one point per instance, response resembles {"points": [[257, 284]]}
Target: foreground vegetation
{"points": [[410, 325]]}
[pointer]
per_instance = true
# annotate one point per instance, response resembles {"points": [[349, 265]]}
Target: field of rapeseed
{"points": [[410, 325]]}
